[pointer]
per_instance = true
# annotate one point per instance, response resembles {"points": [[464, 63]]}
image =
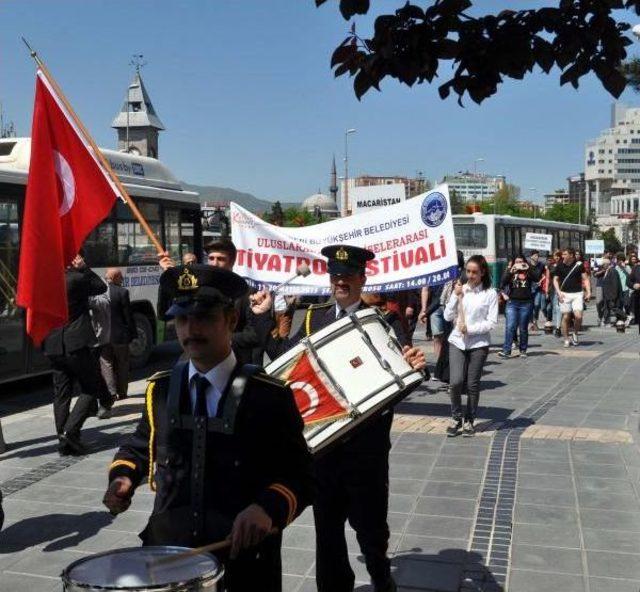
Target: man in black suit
{"points": [[69, 351], [254, 311], [121, 331], [230, 457], [353, 477]]}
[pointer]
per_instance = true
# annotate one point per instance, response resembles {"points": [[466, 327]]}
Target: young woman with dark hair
{"points": [[519, 280], [473, 310]]}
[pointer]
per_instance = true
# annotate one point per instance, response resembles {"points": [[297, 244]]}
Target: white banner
{"points": [[413, 242], [373, 197], [538, 242]]}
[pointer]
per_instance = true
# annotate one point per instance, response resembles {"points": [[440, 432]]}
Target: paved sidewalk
{"points": [[546, 497]]}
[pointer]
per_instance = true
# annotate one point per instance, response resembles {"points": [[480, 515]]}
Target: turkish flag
{"points": [[68, 195], [315, 398]]}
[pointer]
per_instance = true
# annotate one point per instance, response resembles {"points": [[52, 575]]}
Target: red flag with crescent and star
{"points": [[68, 195], [316, 399]]}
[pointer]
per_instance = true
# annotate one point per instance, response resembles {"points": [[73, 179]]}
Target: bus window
{"points": [[189, 219], [172, 232], [100, 246], [11, 333], [517, 242], [470, 236], [134, 246], [501, 242]]}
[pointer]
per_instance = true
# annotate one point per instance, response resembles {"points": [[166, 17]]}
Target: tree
{"points": [[576, 36], [505, 201], [276, 216], [298, 217], [457, 203], [563, 213], [611, 242]]}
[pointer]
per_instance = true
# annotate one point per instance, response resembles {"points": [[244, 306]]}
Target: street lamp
{"points": [[533, 198], [475, 177], [345, 196]]}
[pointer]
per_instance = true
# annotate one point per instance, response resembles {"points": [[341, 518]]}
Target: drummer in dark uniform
{"points": [[353, 477], [221, 444]]}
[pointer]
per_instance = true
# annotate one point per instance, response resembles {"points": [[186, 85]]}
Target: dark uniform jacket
{"points": [[78, 332], [249, 338], [374, 436], [207, 470], [123, 328]]}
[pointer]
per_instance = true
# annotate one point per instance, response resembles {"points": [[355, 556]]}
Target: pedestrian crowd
{"points": [[221, 443]]}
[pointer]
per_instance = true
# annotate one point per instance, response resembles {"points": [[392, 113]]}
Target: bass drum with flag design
{"points": [[344, 374]]}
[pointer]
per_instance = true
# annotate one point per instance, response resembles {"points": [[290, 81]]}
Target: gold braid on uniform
{"points": [[307, 321], [152, 432]]}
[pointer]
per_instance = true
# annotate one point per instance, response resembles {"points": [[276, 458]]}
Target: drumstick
{"points": [[210, 548]]}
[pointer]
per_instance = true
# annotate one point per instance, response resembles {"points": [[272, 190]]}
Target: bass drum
{"points": [[133, 570]]}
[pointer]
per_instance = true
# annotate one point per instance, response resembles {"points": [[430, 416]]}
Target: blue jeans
{"points": [[538, 304], [517, 313]]}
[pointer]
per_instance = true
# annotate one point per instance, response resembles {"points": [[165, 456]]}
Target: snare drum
{"points": [[361, 359], [133, 570]]}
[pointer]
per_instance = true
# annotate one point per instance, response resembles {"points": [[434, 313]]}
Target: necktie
{"points": [[341, 314], [202, 384]]}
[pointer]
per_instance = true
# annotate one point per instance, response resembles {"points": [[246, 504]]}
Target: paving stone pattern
{"points": [[546, 498]]}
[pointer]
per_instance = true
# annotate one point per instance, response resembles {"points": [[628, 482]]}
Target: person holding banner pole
{"points": [[352, 478]]}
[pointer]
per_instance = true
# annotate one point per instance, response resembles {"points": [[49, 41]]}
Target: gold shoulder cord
{"points": [[152, 432], [307, 321]]}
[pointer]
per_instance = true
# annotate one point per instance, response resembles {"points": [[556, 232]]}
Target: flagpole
{"points": [[103, 161]]}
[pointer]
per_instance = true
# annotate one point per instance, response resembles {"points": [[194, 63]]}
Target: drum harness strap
{"points": [[199, 426]]}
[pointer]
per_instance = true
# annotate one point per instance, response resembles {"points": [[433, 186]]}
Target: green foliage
{"points": [[505, 201], [576, 37], [563, 213], [611, 242], [299, 217]]}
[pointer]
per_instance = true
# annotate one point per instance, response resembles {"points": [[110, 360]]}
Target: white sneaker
{"points": [[567, 343], [574, 338]]}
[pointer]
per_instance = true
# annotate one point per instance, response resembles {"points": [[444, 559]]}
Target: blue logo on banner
{"points": [[434, 209]]}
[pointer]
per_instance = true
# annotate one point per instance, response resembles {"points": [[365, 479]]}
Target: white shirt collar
{"points": [[219, 375], [351, 308]]}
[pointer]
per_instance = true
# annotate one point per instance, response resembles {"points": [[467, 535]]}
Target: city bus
{"points": [[500, 238], [119, 241]]}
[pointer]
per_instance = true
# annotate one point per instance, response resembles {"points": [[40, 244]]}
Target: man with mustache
{"points": [[352, 478], [226, 441], [254, 320]]}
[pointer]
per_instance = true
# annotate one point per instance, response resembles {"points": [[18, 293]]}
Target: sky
{"points": [[249, 101]]}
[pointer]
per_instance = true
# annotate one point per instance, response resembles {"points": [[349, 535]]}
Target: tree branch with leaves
{"points": [[413, 44]]}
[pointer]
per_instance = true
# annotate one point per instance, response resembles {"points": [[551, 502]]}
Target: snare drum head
{"points": [[134, 569]]}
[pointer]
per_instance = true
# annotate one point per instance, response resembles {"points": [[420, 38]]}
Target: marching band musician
{"points": [[352, 479], [230, 457]]}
